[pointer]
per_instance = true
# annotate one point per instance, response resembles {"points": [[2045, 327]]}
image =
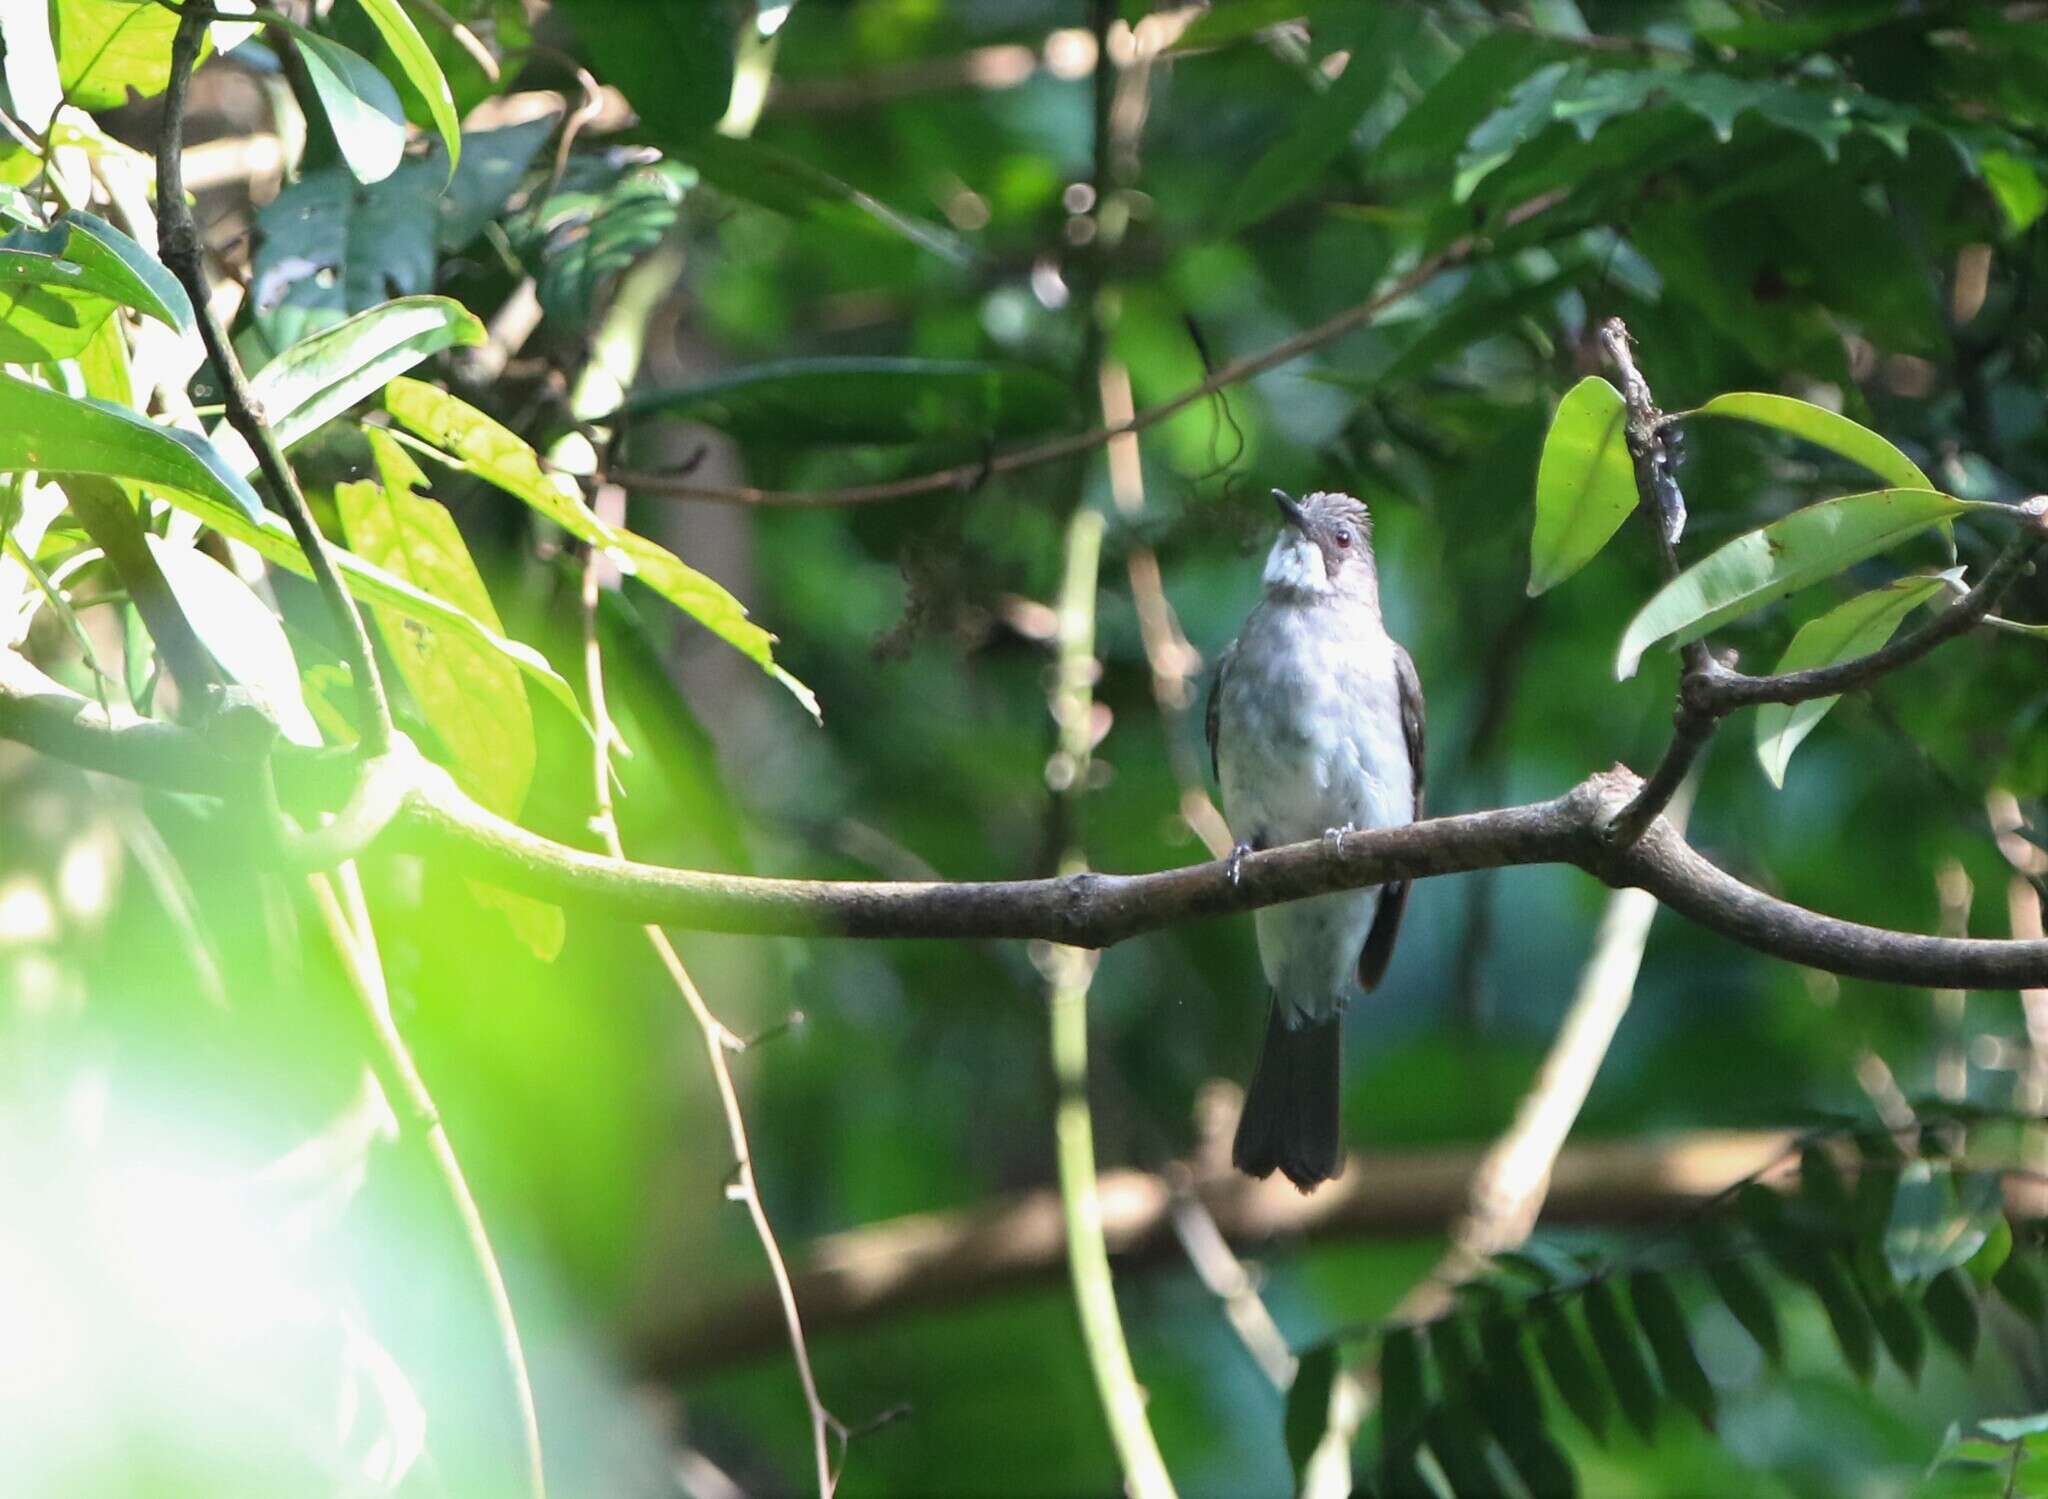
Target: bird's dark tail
{"points": [[1289, 1121]]}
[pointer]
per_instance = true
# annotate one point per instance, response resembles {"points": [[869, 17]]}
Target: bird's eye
{"points": [[1343, 537]]}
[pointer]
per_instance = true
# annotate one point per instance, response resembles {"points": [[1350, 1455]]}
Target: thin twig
{"points": [[348, 927], [719, 1042], [964, 477], [1070, 970], [179, 245]]}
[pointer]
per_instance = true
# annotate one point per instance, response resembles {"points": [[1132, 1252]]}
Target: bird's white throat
{"points": [[1296, 565]]}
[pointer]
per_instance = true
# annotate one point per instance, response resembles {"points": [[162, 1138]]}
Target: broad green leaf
{"points": [[1897, 1327], [1846, 1314], [84, 255], [1984, 1265], [1743, 1292], [1663, 1322], [1308, 1405], [1468, 91], [543, 928], [49, 308], [361, 105], [1529, 107], [471, 697], [493, 162], [1824, 429], [103, 365], [416, 60], [238, 631], [1585, 483], [789, 185], [874, 400], [1571, 1371], [1953, 1311], [1459, 1444], [606, 213], [325, 373], [2016, 187], [672, 58], [499, 456], [1937, 1221], [1615, 1341], [135, 277], [1763, 566], [331, 246], [1849, 630], [1512, 1404], [45, 430], [107, 47], [1322, 128], [2018, 1283]]}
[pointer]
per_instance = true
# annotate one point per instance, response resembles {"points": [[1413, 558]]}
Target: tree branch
{"points": [[1081, 910], [966, 476], [179, 245]]}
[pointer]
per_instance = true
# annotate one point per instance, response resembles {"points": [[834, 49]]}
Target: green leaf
{"points": [[1846, 1314], [1322, 129], [1571, 1371], [1824, 429], [1663, 1321], [1402, 1401], [1953, 1311], [1820, 1181], [1615, 1341], [238, 631], [1938, 1222], [116, 266], [1897, 1328], [1763, 566], [2018, 1284], [868, 400], [672, 58], [605, 214], [1308, 1405], [54, 433], [107, 47], [1984, 1265], [48, 307], [1467, 92], [361, 105], [2015, 187], [493, 162], [330, 246], [499, 456], [1512, 1404], [1539, 1462], [471, 697], [416, 61], [1743, 1292], [1849, 630], [325, 373], [788, 185], [1585, 483], [1495, 139], [1459, 1442]]}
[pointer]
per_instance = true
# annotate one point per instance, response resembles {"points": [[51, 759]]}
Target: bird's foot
{"points": [[1233, 863], [1334, 836]]}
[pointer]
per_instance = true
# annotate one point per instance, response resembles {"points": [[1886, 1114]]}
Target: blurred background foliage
{"points": [[1839, 200]]}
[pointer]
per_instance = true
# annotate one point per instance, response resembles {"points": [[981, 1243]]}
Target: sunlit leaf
{"points": [[868, 400], [107, 47], [1763, 566], [1823, 428], [499, 456], [325, 373], [46, 430], [2016, 188], [51, 312], [1849, 630], [1585, 484], [416, 60], [361, 105], [98, 258], [238, 631], [1939, 1221]]}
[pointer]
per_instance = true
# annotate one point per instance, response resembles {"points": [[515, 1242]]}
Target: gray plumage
{"points": [[1315, 725]]}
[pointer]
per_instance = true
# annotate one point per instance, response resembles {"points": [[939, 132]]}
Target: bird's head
{"points": [[1324, 549]]}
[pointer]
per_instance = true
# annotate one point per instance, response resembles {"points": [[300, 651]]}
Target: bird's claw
{"points": [[1334, 836], [1233, 863]]}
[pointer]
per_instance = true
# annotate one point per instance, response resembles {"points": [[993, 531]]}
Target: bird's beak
{"points": [[1289, 511]]}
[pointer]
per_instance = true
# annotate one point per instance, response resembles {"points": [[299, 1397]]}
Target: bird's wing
{"points": [[1212, 713], [1386, 921]]}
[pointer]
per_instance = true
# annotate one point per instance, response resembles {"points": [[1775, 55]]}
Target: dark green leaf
{"points": [[2018, 1282], [1456, 1367], [606, 214], [416, 61], [493, 161], [1820, 1179], [330, 246], [1469, 90], [1765, 565], [672, 58], [802, 401], [1308, 1405], [1585, 484], [760, 174], [1402, 1399], [1571, 1371], [1539, 1462], [1322, 129], [1512, 1403], [1953, 1311], [1459, 1444], [1528, 109], [1743, 1292], [124, 270], [1663, 1321], [1846, 1314], [1615, 1341]]}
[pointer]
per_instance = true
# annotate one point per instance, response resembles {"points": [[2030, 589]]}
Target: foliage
{"points": [[797, 249]]}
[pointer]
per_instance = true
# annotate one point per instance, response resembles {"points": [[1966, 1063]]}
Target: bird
{"points": [[1315, 728]]}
